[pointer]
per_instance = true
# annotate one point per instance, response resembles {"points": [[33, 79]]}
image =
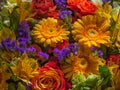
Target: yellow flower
{"points": [[116, 32], [7, 33], [12, 1], [117, 80], [49, 32], [24, 10], [105, 11], [8, 55], [92, 30], [85, 62], [3, 77], [25, 68]]}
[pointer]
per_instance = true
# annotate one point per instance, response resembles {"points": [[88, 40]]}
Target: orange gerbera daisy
{"points": [[92, 30], [84, 62]]}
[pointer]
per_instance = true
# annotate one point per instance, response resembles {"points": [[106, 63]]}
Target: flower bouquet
{"points": [[59, 45]]}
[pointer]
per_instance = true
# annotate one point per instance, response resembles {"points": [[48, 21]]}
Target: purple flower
{"points": [[30, 50], [71, 46], [61, 3], [65, 52], [61, 54], [1, 47], [56, 51], [65, 13], [23, 34], [29, 87], [97, 51], [77, 46], [94, 48], [20, 49], [8, 44], [100, 53], [60, 57], [105, 0], [43, 55], [74, 48], [75, 52]]}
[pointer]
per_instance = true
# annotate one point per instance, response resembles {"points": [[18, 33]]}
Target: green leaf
{"points": [[113, 24], [14, 19], [4, 12], [78, 78], [92, 80], [104, 49], [1, 26], [104, 71], [11, 86], [106, 76], [15, 78], [21, 86]]}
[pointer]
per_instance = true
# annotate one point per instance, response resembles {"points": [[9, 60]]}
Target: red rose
{"points": [[82, 7], [43, 7]]}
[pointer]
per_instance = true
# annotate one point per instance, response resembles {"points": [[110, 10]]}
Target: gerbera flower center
{"points": [[83, 63], [80, 64], [92, 33]]}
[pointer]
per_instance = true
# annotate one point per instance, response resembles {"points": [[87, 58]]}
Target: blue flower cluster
{"points": [[43, 55], [63, 10], [64, 13], [105, 0], [23, 34], [65, 52], [97, 51], [20, 44], [61, 3]]}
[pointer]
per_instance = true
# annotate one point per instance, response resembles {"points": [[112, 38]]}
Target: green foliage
{"points": [[104, 50], [21, 86], [80, 82], [11, 86], [14, 19], [14, 78], [92, 82], [105, 76], [14, 83], [9, 19]]}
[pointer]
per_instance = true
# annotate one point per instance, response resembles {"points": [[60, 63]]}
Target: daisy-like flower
{"points": [[25, 68], [49, 32], [92, 30], [84, 62]]}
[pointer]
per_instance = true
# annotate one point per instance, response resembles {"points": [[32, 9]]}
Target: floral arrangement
{"points": [[60, 45]]}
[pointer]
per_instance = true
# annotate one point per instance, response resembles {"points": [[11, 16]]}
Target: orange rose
{"points": [[49, 78], [81, 7], [41, 7], [87, 8]]}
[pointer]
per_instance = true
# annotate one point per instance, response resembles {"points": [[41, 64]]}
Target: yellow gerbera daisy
{"points": [[26, 68], [84, 63], [49, 32], [92, 30]]}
